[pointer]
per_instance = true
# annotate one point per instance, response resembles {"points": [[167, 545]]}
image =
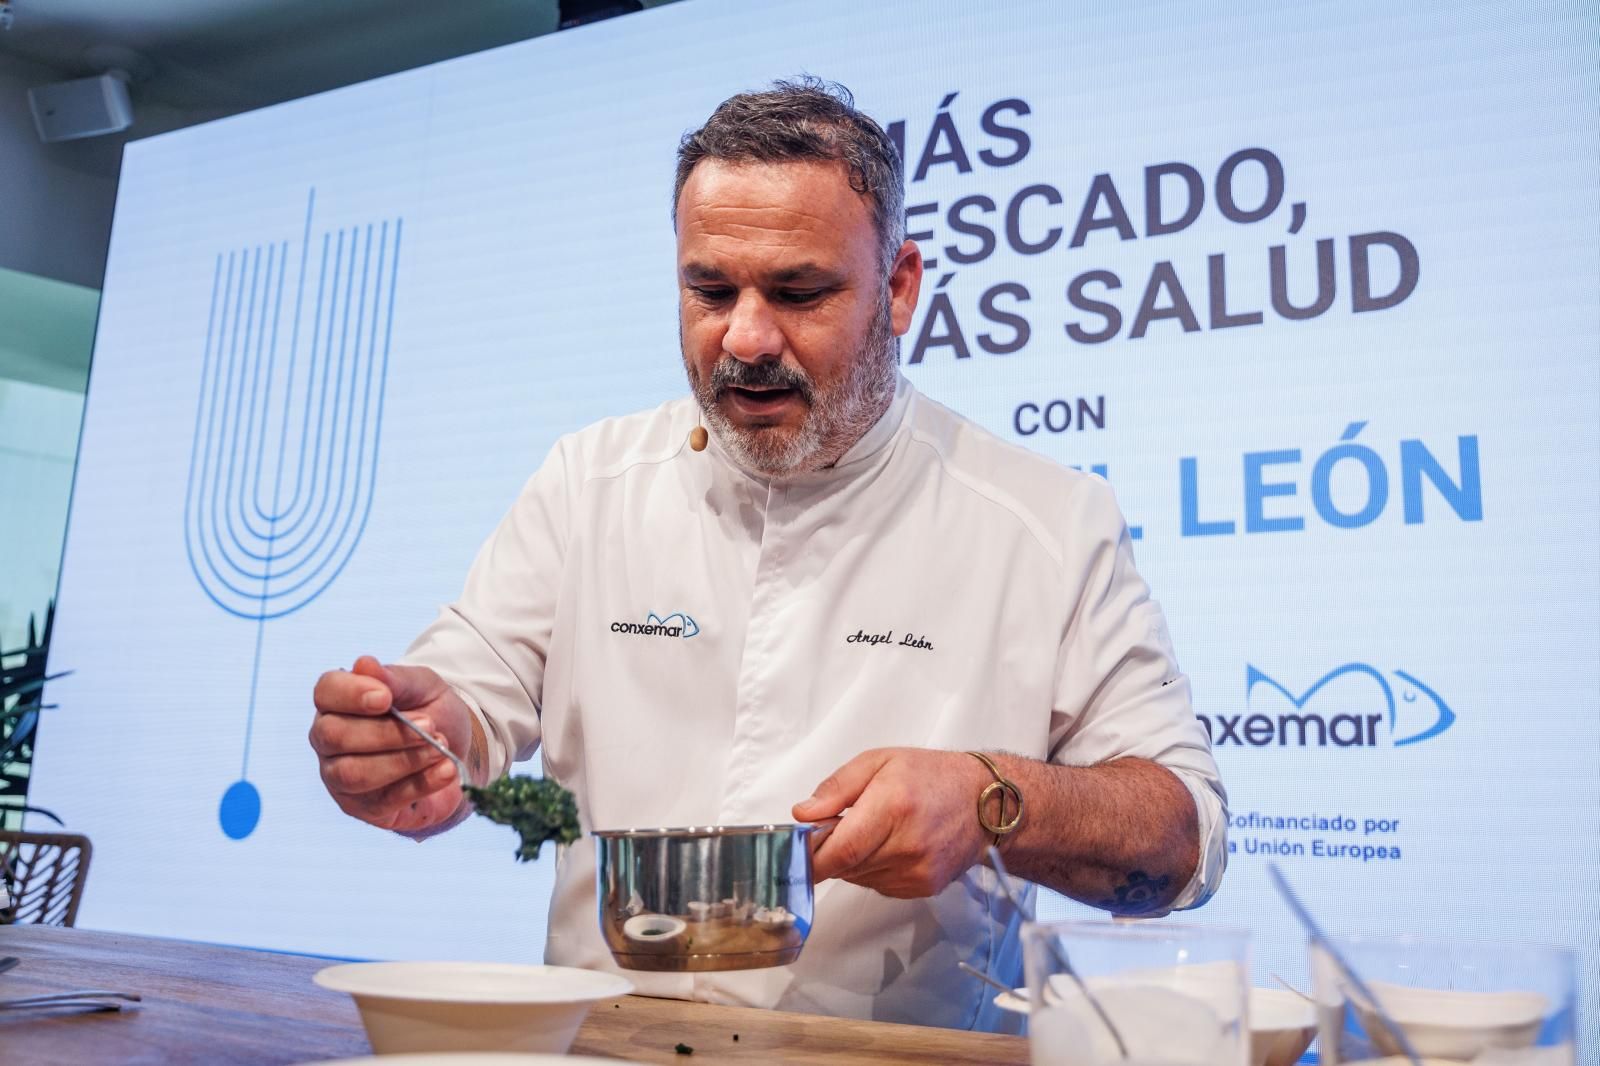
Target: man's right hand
{"points": [[375, 768]]}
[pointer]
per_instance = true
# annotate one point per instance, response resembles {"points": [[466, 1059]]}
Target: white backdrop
{"points": [[1375, 524]]}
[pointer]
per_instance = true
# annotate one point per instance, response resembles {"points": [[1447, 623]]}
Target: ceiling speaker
{"points": [[87, 107]]}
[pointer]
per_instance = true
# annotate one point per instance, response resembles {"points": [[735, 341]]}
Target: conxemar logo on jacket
{"points": [[1351, 706], [678, 624]]}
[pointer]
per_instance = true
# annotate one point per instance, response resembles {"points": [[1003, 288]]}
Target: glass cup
{"points": [[1136, 994], [1455, 1002]]}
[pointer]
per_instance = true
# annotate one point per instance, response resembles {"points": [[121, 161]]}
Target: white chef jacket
{"points": [[685, 640]]}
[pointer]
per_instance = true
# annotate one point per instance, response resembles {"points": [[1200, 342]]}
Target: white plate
{"points": [[473, 982]]}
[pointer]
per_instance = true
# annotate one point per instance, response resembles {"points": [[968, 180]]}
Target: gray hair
{"points": [[806, 119]]}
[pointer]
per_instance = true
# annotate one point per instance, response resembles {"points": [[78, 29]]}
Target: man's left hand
{"points": [[913, 823]]}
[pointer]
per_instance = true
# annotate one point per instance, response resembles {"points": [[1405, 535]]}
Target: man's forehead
{"points": [[807, 190], [800, 219]]}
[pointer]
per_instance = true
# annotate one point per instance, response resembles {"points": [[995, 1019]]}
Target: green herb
{"points": [[683, 1049], [538, 808]]}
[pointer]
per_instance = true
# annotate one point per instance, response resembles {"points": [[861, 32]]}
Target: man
{"points": [[836, 602]]}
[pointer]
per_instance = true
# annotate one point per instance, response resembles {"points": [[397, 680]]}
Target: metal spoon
{"points": [[461, 766], [1315, 932], [1056, 950]]}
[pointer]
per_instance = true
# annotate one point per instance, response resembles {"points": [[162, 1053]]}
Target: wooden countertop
{"points": [[207, 1004]]}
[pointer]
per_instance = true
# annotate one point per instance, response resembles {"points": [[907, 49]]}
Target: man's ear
{"points": [[905, 286]]}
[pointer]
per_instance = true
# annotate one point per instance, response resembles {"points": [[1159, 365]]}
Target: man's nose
{"points": [[753, 334]]}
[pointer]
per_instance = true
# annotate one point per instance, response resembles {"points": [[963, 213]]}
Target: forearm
{"points": [[1123, 835]]}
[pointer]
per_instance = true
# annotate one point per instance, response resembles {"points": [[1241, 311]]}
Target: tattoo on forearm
{"points": [[1139, 894]]}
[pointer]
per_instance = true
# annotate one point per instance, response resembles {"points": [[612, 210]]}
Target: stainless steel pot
{"points": [[705, 898]]}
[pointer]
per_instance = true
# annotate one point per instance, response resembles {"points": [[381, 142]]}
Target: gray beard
{"points": [[838, 416]]}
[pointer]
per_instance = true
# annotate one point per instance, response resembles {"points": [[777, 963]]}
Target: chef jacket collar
{"points": [[873, 444]]}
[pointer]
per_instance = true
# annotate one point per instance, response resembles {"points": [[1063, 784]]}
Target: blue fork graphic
{"points": [[285, 451]]}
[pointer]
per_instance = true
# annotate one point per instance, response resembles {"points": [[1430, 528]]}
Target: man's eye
{"points": [[710, 295], [801, 296]]}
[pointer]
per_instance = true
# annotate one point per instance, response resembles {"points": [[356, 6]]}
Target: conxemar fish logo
{"points": [[677, 624], [1355, 705], [689, 626]]}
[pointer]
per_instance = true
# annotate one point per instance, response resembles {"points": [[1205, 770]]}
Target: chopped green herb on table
{"points": [[538, 808], [683, 1049]]}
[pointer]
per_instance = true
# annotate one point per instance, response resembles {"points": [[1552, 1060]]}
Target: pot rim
{"points": [[695, 832]]}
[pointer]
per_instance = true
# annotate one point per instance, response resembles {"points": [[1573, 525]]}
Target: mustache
{"points": [[731, 373]]}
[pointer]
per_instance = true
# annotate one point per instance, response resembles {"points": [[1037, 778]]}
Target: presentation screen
{"points": [[1314, 288]]}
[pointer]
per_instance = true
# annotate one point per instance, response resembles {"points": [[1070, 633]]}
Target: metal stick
{"points": [[1317, 937], [1005, 884], [1057, 950], [985, 978], [69, 1004], [461, 767], [46, 998]]}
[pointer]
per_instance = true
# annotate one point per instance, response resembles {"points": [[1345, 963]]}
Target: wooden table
{"points": [[206, 1004]]}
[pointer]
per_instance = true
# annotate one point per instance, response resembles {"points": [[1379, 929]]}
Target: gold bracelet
{"points": [[1005, 788]]}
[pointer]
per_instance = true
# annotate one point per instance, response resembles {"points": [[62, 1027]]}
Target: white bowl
{"points": [[1454, 1024], [471, 1006]]}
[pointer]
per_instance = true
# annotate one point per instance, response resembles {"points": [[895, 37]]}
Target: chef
{"points": [[807, 589]]}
